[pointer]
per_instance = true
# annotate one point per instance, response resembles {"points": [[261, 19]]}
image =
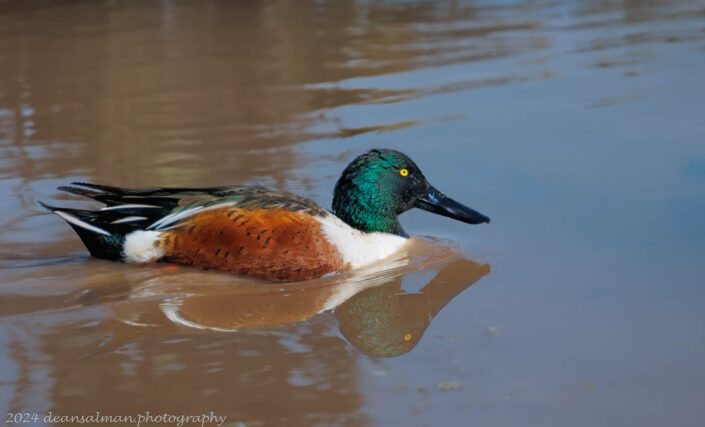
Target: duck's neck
{"points": [[367, 215]]}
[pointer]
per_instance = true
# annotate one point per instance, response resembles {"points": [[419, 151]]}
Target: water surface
{"points": [[578, 127]]}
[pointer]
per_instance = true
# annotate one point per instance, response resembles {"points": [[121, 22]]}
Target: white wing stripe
{"points": [[178, 216], [129, 219], [131, 206], [174, 217], [75, 221]]}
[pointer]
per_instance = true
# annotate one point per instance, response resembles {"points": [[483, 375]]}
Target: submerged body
{"points": [[258, 232]]}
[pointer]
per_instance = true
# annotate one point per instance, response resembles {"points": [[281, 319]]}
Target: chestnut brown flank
{"points": [[271, 244]]}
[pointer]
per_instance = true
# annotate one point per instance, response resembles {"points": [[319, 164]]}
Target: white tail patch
{"points": [[80, 223], [129, 219], [140, 246]]}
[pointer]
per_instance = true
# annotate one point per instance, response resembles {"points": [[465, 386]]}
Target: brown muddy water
{"points": [[578, 127]]}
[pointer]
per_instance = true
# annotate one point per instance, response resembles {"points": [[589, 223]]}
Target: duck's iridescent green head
{"points": [[379, 185]]}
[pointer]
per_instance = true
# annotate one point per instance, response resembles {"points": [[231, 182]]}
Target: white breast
{"points": [[358, 248]]}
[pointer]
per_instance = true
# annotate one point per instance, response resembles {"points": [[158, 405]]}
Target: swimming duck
{"points": [[258, 232]]}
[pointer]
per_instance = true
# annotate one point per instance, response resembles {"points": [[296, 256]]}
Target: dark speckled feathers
{"points": [[272, 244]]}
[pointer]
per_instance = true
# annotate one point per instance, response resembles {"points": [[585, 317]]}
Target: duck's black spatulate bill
{"points": [[438, 203]]}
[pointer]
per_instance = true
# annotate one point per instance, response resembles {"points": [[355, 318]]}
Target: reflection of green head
{"points": [[385, 322], [380, 323]]}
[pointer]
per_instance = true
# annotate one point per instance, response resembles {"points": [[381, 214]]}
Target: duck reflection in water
{"points": [[385, 321], [374, 312]]}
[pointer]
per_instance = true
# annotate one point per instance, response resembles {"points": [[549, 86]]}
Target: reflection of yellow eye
{"points": [[407, 337], [404, 172]]}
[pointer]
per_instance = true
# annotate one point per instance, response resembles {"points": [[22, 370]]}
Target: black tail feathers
{"points": [[101, 241]]}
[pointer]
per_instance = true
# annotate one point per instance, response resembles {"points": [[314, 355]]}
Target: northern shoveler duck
{"points": [[254, 231]]}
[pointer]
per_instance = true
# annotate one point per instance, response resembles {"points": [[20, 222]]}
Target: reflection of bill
{"points": [[373, 311]]}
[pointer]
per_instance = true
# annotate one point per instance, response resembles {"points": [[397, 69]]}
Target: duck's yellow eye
{"points": [[407, 337], [404, 172]]}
